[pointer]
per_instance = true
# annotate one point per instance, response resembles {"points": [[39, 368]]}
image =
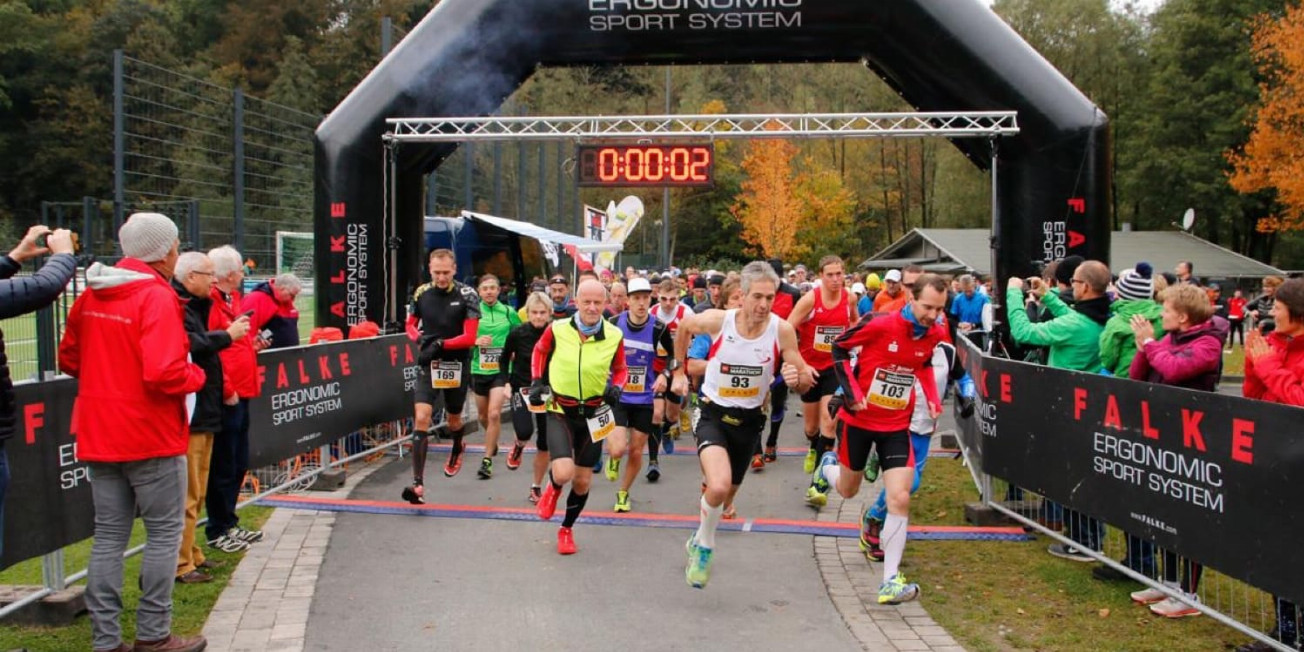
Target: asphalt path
{"points": [[400, 582]]}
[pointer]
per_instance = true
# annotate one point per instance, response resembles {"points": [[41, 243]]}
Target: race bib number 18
{"points": [[891, 390], [445, 374], [601, 424], [636, 380]]}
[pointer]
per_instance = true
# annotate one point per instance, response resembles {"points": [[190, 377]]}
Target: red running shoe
{"points": [[514, 457], [565, 542], [758, 462], [454, 463], [547, 503]]}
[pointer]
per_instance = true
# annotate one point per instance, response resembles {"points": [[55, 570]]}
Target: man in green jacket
{"points": [[1073, 335], [1135, 289]]}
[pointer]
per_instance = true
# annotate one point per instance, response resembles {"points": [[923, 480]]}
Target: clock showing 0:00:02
{"points": [[646, 165]]}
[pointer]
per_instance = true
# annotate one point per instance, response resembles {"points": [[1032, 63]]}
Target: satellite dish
{"points": [[1188, 219]]}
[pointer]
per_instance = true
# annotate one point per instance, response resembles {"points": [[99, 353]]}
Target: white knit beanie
{"points": [[147, 237]]}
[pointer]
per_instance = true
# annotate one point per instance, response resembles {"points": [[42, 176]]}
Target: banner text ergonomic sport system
{"points": [[467, 56]]}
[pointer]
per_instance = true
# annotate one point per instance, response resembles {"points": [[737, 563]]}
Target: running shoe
{"points": [[685, 420], [698, 571], [818, 493], [415, 494], [613, 468], [668, 443], [547, 505], [653, 472], [226, 543], [872, 467], [248, 536], [454, 463], [1069, 552], [809, 465], [535, 494], [730, 513], [565, 542], [758, 462], [1149, 596], [771, 455], [1174, 608], [815, 497], [622, 501], [870, 529], [514, 457], [897, 590], [486, 469]]}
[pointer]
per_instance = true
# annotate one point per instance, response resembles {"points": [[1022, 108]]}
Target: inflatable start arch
{"points": [[467, 56]]}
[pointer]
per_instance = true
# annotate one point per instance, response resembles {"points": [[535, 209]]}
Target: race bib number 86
{"points": [[824, 336]]}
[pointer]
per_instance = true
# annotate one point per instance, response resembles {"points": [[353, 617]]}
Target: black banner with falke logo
{"points": [[1214, 478], [48, 502], [312, 396]]}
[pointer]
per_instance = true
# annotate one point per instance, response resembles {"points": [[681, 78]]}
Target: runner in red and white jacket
{"points": [[895, 350]]}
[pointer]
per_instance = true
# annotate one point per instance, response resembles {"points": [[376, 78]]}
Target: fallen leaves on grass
{"points": [[1104, 613]]}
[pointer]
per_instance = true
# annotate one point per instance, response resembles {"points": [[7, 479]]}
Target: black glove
{"points": [[835, 405], [966, 405], [537, 389], [430, 349], [612, 395]]}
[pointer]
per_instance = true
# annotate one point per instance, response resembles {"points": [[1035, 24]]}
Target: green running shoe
{"points": [[871, 467], [698, 571], [897, 590], [815, 497], [613, 468], [486, 469], [622, 501], [809, 465]]}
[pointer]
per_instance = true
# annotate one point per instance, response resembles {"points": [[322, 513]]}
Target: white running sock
{"points": [[894, 544], [831, 473], [710, 521]]}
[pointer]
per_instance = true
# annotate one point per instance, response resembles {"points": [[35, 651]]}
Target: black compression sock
{"points": [[826, 444], [813, 440], [555, 486], [420, 446], [457, 440], [574, 505], [773, 439]]}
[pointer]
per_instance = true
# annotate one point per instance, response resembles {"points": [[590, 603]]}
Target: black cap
{"points": [[716, 280], [558, 278], [1064, 271], [699, 283]]}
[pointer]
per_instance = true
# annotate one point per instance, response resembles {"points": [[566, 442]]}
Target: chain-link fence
{"points": [[232, 169]]}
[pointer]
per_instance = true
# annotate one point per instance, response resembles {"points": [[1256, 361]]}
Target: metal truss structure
{"points": [[970, 124]]}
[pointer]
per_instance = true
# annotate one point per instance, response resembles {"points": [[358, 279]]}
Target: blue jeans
{"points": [[4, 484], [920, 444], [227, 469]]}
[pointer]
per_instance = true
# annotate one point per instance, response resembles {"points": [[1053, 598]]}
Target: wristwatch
{"points": [[673, 365]]}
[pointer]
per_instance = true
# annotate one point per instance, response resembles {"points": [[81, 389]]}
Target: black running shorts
{"points": [[894, 449], [825, 385], [737, 430], [634, 417]]}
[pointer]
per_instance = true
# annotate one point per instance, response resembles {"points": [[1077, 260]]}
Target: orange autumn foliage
{"points": [[1273, 159], [768, 208]]}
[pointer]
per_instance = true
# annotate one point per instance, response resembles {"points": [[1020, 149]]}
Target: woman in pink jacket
{"points": [[1189, 356]]}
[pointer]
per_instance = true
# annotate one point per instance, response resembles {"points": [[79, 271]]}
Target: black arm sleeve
{"points": [[23, 295], [208, 342], [505, 359]]}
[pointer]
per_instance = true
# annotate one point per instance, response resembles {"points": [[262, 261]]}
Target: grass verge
{"points": [[1002, 595], [190, 603]]}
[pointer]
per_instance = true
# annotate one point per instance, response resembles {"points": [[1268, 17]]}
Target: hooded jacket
{"points": [[204, 347], [282, 319], [1277, 377], [1190, 359], [20, 296], [1073, 334], [124, 341], [1117, 342]]}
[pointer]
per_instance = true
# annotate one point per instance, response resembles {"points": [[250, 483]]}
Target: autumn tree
{"points": [[767, 207], [1271, 159]]}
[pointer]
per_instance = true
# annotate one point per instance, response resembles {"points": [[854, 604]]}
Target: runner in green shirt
{"points": [[496, 321]]}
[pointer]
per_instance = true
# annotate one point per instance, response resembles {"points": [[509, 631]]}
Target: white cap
{"points": [[892, 275], [638, 284], [858, 288]]}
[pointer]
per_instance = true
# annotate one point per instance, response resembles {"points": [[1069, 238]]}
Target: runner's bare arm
{"points": [[792, 358], [708, 322]]}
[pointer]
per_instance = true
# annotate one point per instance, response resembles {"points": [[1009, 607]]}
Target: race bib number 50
{"points": [[601, 424], [890, 390], [445, 374]]}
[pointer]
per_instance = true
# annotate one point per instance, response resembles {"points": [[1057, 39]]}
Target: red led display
{"points": [[646, 165]]}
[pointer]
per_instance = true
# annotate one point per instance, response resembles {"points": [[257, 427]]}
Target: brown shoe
{"points": [[173, 643], [194, 577], [209, 564]]}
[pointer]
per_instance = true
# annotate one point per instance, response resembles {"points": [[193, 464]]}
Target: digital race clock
{"points": [[646, 165]]}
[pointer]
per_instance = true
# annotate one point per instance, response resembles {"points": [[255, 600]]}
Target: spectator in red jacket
{"points": [[1274, 370], [125, 342], [273, 304], [240, 383]]}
